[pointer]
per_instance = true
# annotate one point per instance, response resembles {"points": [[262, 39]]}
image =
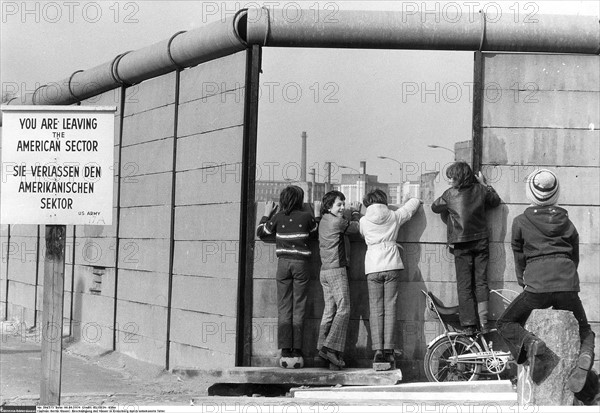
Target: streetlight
{"points": [[440, 147], [349, 167]]}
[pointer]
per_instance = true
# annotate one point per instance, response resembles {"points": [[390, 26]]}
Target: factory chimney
{"points": [[303, 159]]}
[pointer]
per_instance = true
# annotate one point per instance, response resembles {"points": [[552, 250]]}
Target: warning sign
{"points": [[57, 165]]}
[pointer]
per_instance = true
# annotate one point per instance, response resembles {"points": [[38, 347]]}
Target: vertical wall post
{"points": [[478, 91], [243, 352], [118, 226], [172, 227]]}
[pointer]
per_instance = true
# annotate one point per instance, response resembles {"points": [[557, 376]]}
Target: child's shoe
{"points": [[331, 356], [579, 375]]}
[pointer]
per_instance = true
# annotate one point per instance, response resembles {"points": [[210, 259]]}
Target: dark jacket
{"points": [[546, 248], [463, 210]]}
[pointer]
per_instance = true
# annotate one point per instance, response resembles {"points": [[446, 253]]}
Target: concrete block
{"points": [[522, 148], [146, 222], [542, 71], [210, 114], [148, 126], [208, 331], [184, 356], [146, 190], [579, 186], [207, 151], [209, 185], [144, 254], [560, 332], [142, 319], [207, 258], [213, 77], [540, 109], [150, 94], [205, 295], [95, 251], [148, 157], [208, 222]]}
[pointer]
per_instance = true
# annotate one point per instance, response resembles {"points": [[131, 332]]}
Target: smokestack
{"points": [[303, 159], [363, 167]]}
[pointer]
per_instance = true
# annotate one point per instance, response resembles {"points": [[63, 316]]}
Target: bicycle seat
{"points": [[441, 308]]}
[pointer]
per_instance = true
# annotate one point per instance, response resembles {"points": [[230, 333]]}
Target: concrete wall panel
{"points": [[522, 147], [205, 295], [210, 114], [218, 184], [148, 157], [207, 331], [145, 222], [22, 259], [145, 287], [150, 94], [208, 222], [146, 190], [207, 258], [546, 72], [186, 356], [541, 109], [211, 150], [212, 78], [144, 254], [141, 319], [148, 126]]}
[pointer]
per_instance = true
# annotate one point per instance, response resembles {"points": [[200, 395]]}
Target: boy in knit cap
{"points": [[545, 244]]}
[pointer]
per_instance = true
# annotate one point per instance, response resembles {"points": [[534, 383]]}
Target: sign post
{"points": [[57, 170]]}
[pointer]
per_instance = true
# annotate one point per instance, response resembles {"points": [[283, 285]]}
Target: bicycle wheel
{"points": [[440, 365]]}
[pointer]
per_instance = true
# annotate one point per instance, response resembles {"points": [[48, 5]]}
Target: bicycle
{"points": [[456, 356]]}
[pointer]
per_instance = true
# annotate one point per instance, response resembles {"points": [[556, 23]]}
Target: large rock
{"points": [[560, 331]]}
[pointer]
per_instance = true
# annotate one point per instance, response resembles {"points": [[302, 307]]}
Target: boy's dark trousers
{"points": [[471, 262], [292, 282], [511, 322]]}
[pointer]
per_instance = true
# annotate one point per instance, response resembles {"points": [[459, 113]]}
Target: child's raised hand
{"points": [[270, 207], [355, 206], [481, 178]]}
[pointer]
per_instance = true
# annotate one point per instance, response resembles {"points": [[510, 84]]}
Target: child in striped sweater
{"points": [[292, 228]]}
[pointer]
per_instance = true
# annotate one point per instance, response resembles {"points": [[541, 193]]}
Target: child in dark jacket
{"points": [[463, 208], [545, 244], [292, 228]]}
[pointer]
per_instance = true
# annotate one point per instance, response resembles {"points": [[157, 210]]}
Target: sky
{"points": [[354, 105]]}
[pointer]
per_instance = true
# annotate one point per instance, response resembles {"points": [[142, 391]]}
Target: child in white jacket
{"points": [[380, 227]]}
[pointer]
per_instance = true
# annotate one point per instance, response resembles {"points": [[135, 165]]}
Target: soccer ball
{"points": [[291, 362]]}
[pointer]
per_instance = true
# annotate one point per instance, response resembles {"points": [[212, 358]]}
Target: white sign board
{"points": [[57, 165]]}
